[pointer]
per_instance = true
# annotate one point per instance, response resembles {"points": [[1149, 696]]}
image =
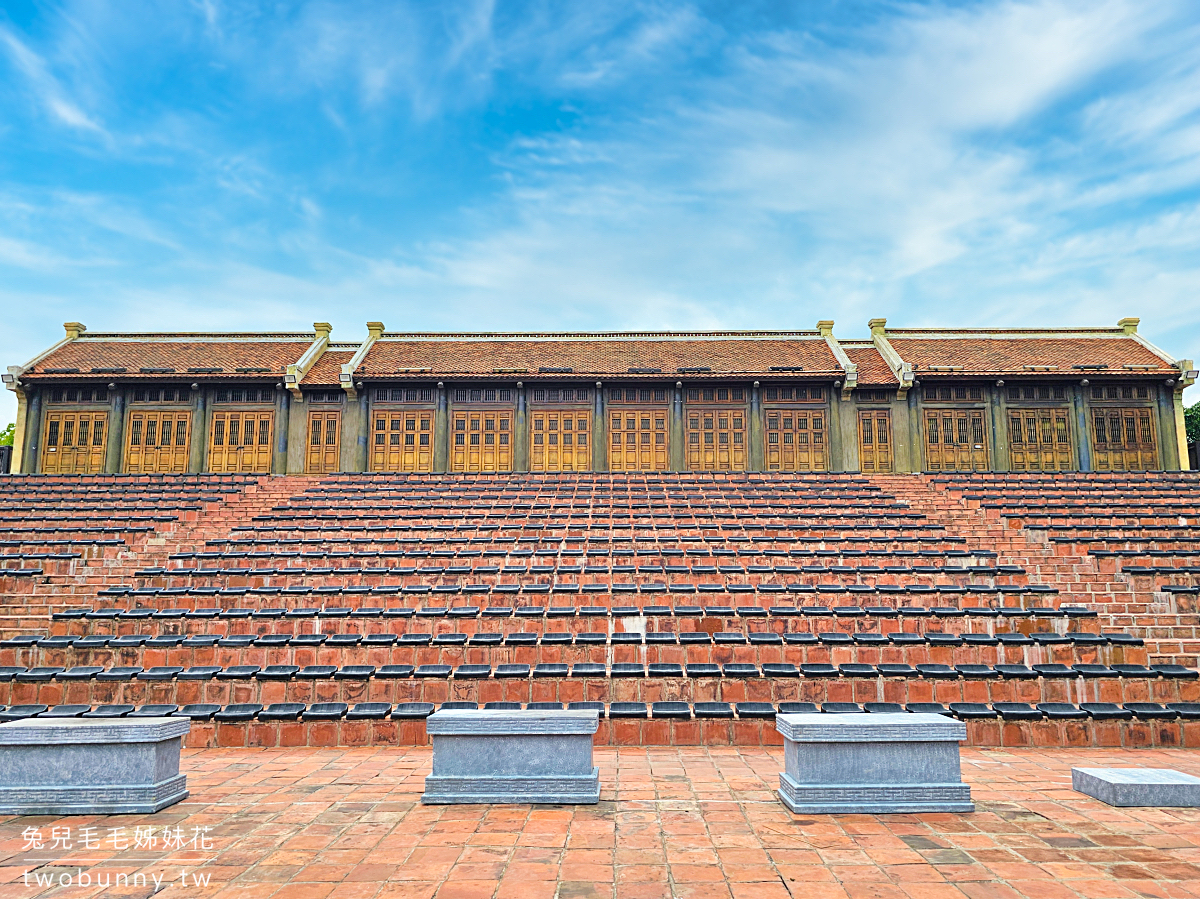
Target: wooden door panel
{"points": [[795, 440], [74, 442], [1124, 440], [875, 440], [157, 441], [716, 439], [1040, 439], [482, 441], [560, 440], [323, 443], [241, 441], [403, 441], [955, 440], [638, 440]]}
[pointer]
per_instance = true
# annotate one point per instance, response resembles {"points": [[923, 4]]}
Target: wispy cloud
{"points": [[44, 87]]}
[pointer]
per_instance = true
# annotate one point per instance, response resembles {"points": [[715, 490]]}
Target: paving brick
{"points": [[672, 821]]}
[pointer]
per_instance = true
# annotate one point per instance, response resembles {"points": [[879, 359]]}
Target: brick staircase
{"points": [[977, 595], [1169, 624], [26, 604]]}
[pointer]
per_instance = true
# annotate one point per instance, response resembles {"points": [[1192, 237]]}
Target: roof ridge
{"points": [[172, 335], [1050, 333], [587, 335]]}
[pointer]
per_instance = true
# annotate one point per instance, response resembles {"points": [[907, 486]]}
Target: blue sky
{"points": [[520, 165]]}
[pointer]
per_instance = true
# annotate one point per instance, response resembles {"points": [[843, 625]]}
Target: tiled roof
{"points": [[873, 371], [328, 367], [618, 355], [598, 355], [179, 352], [1009, 354]]}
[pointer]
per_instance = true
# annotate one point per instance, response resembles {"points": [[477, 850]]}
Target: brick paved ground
{"points": [[689, 822]]}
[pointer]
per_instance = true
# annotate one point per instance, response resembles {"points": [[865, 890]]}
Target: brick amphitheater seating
{"points": [[1050, 610]]}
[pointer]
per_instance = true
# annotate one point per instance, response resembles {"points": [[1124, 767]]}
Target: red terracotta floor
{"points": [[687, 822]]}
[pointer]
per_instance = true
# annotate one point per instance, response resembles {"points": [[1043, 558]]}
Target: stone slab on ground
{"points": [[506, 757], [1138, 787], [879, 763], [91, 766]]}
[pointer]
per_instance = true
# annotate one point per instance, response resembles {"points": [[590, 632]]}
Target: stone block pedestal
{"points": [[1138, 787], [519, 757], [91, 766], [877, 763]]}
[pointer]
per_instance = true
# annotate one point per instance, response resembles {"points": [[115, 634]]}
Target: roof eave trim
{"points": [[849, 369], [15, 372], [297, 370], [346, 373], [1170, 360], [902, 370]]}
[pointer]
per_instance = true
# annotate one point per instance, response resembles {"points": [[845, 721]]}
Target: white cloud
{"points": [[993, 164], [26, 255], [45, 86]]}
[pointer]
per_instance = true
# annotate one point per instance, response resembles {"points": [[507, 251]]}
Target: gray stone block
{"points": [[1138, 787], [506, 757], [91, 766], [879, 763]]}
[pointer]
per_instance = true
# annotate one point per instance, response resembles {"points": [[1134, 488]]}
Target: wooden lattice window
{"points": [[560, 441], [955, 440], [638, 440], [716, 440]]}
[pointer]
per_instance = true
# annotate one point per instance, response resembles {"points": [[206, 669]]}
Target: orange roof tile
{"points": [[873, 371], [1006, 353], [326, 370], [178, 352], [597, 355], [620, 355]]}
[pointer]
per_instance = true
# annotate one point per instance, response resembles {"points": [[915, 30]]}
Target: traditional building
{"points": [[1088, 399]]}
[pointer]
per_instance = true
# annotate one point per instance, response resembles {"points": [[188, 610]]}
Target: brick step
{"points": [[1151, 619], [147, 656], [1007, 606], [620, 551], [1184, 633], [401, 620], [605, 689], [1187, 659], [315, 577], [694, 732]]}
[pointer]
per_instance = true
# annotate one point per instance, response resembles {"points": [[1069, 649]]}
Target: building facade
{"points": [[1095, 399]]}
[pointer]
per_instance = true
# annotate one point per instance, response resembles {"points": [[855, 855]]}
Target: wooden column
{"points": [[1164, 419], [918, 427], [600, 430], [199, 443], [1001, 459], [1083, 434], [33, 432], [441, 432], [297, 447], [283, 414], [353, 442], [912, 414], [903, 450], [677, 452], [116, 431], [1179, 429], [843, 432], [521, 432], [756, 431], [362, 430]]}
